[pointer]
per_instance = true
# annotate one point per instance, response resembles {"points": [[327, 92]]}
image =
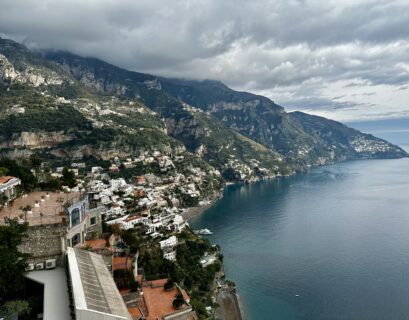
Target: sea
{"points": [[332, 243]]}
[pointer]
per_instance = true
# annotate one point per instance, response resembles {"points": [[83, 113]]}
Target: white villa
{"points": [[8, 186]]}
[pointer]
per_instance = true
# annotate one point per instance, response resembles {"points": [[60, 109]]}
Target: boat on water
{"points": [[203, 232]]}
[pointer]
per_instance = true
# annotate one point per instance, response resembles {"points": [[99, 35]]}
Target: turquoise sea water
{"points": [[329, 244]]}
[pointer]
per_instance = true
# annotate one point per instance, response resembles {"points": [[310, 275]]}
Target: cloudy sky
{"points": [[344, 59]]}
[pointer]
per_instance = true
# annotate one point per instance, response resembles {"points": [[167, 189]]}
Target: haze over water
{"points": [[329, 244]]}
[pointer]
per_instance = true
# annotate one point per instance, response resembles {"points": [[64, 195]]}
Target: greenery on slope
{"points": [[43, 118], [12, 265], [21, 171], [223, 144], [186, 270]]}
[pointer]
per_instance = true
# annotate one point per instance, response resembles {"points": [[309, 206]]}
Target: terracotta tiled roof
{"points": [[133, 218], [96, 244], [5, 179], [124, 292], [159, 302], [135, 312], [119, 263]]}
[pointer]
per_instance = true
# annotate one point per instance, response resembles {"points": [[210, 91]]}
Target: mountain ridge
{"points": [[233, 131]]}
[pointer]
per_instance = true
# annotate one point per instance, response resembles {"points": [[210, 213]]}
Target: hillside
{"points": [[65, 119], [346, 143], [62, 106]]}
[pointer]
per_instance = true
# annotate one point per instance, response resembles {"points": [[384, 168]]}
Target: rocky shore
{"points": [[227, 298]]}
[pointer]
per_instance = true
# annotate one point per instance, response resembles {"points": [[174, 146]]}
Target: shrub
{"points": [[169, 285]]}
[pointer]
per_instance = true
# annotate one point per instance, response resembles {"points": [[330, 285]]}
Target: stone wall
{"points": [[45, 242]]}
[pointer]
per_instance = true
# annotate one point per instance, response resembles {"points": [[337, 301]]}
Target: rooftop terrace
{"points": [[159, 302], [46, 208]]}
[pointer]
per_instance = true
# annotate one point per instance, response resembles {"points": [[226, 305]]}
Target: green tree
{"points": [[28, 180], [169, 285], [198, 306], [68, 178], [25, 209], [131, 240], [3, 171], [16, 307], [179, 301], [12, 262], [35, 161]]}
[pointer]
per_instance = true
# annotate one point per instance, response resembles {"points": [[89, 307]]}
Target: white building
{"points": [[118, 220], [207, 260], [8, 187], [96, 169], [169, 254], [169, 242], [131, 222], [167, 247], [178, 223], [117, 183]]}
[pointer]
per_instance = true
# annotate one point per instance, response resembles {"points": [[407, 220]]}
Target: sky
{"points": [[344, 59]]}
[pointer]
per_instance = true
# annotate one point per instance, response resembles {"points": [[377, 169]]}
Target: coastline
{"points": [[230, 307], [192, 212], [230, 304]]}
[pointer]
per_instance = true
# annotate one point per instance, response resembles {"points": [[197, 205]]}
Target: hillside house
{"points": [[170, 242], [8, 188], [131, 222]]}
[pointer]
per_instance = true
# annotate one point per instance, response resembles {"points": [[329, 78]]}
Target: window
{"points": [[76, 239], [93, 221], [75, 216]]}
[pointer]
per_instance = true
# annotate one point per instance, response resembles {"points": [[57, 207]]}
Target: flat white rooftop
{"points": [[56, 301], [94, 288]]}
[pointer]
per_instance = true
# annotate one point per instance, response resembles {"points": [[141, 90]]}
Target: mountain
{"points": [[62, 106], [253, 116], [346, 143], [48, 112]]}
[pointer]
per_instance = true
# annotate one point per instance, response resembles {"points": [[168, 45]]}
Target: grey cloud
{"points": [[260, 45], [308, 103]]}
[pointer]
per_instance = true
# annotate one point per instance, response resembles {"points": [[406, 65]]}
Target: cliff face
{"points": [[296, 136], [68, 106], [35, 140], [30, 75]]}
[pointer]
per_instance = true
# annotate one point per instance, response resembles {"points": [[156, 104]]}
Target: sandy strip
{"points": [[195, 211]]}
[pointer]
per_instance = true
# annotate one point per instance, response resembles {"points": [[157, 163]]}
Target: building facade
{"points": [[8, 188]]}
